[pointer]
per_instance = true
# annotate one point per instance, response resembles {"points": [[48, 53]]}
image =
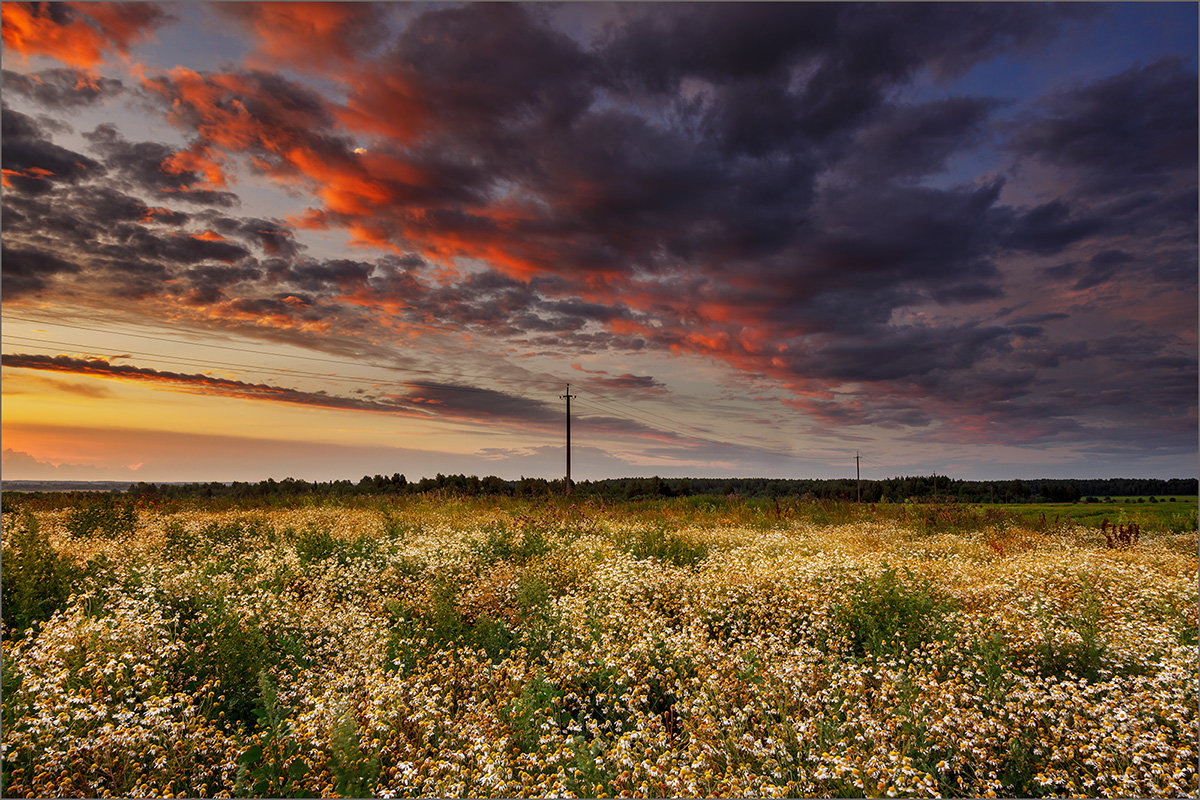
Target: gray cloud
{"points": [[62, 88]]}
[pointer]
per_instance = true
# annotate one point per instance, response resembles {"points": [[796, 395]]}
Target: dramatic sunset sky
{"points": [[317, 240]]}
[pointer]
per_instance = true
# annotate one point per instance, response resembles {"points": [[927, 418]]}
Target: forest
{"points": [[892, 490]]}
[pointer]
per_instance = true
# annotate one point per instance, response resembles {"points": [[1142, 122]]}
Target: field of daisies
{"points": [[503, 648]]}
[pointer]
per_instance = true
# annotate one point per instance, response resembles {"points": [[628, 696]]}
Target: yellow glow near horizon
{"points": [[84, 401]]}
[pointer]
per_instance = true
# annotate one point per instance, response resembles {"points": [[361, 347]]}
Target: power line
{"points": [[598, 402], [604, 398], [687, 430], [343, 362], [188, 360], [687, 435], [673, 426], [284, 371], [642, 414], [606, 407], [278, 370]]}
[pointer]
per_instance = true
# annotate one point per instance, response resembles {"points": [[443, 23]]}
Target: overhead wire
{"points": [[197, 362], [608, 406], [673, 425], [597, 401], [602, 397], [689, 435], [290, 371], [342, 362], [664, 421]]}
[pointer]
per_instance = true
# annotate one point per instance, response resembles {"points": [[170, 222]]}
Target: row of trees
{"points": [[900, 489]]}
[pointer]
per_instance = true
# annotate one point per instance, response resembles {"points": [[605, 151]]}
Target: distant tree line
{"points": [[895, 490]]}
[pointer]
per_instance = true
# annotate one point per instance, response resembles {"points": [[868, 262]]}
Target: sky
{"points": [[246, 241]]}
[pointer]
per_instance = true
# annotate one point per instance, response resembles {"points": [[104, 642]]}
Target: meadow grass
{"points": [[1163, 515], [683, 647]]}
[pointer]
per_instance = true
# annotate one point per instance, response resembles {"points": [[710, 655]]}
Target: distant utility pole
{"points": [[857, 477], [568, 397]]}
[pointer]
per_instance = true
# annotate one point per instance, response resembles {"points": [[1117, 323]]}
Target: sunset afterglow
{"points": [[323, 240]]}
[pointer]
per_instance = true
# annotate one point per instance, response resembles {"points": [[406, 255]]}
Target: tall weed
{"points": [[657, 542], [1082, 651], [36, 580], [504, 544], [883, 614], [356, 771], [104, 517], [274, 765]]}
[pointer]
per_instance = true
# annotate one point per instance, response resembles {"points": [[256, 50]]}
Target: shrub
{"points": [[178, 541], [104, 517], [36, 580], [228, 650], [236, 531], [315, 545], [882, 614], [1081, 654], [666, 546], [532, 709], [503, 544]]}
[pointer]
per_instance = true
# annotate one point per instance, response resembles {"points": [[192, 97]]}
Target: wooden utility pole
{"points": [[857, 477], [568, 397]]}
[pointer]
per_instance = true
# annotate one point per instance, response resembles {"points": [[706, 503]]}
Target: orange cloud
{"points": [[308, 35], [393, 108], [197, 158], [157, 212], [79, 34]]}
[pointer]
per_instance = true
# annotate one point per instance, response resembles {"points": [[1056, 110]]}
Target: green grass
{"points": [[1160, 517]]}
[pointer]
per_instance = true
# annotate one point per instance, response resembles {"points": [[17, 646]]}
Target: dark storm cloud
{"points": [[274, 237], [173, 248], [917, 140], [1098, 269], [144, 166], [64, 220], [62, 88], [1123, 133], [904, 237], [910, 353], [848, 55], [623, 194], [457, 400], [32, 163], [1049, 228], [314, 276], [663, 43], [1126, 143], [207, 282], [31, 271], [451, 67]]}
